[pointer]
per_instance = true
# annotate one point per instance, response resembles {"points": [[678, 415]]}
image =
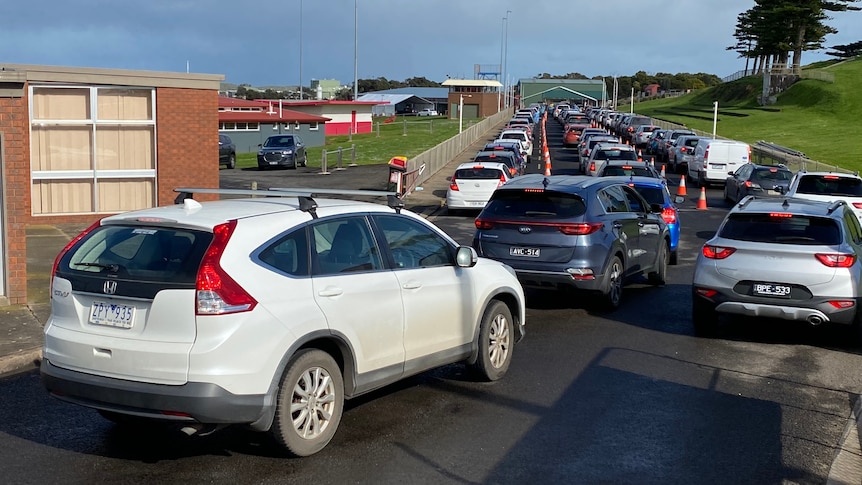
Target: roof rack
{"points": [[305, 195]]}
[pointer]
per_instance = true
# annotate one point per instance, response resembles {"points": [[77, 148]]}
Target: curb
{"points": [[847, 467], [20, 361]]}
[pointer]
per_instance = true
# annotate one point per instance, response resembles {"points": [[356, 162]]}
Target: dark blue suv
{"points": [[575, 232]]}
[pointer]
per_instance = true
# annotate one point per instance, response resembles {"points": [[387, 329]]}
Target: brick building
{"points": [[77, 144]]}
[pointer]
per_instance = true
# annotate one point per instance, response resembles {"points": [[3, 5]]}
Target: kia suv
{"points": [[570, 232], [268, 311]]}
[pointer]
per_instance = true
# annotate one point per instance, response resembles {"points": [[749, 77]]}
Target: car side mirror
{"points": [[260, 145], [679, 199], [730, 173], [780, 189], [466, 257]]}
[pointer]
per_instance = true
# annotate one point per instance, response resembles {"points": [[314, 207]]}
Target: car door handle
{"points": [[412, 285], [618, 225], [330, 291], [641, 224]]}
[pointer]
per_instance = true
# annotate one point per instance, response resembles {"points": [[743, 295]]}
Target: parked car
{"points": [[713, 159], [783, 258], [515, 163], [757, 180], [603, 152], [681, 152], [521, 136], [586, 147], [282, 151], [513, 146], [573, 134], [472, 184], [268, 311], [226, 151], [655, 138], [642, 134], [571, 232], [662, 149], [427, 112]]}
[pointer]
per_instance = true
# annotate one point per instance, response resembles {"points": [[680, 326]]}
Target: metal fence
{"points": [[439, 156]]}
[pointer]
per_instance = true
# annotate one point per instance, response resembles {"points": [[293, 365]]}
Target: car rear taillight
{"points": [[592, 166], [836, 260], [706, 292], [483, 224], [669, 215], [217, 293], [453, 186], [502, 181], [70, 245], [857, 205], [705, 156], [717, 252], [580, 229]]}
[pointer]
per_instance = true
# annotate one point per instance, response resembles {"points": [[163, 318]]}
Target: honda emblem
{"points": [[109, 287]]}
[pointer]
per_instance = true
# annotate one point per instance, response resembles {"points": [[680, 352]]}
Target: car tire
{"points": [[659, 276], [496, 342], [306, 430], [703, 317], [612, 285], [231, 161], [674, 257], [727, 195]]}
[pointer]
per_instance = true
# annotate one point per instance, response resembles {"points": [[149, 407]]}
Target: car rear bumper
{"points": [[191, 402], [550, 280], [816, 310]]}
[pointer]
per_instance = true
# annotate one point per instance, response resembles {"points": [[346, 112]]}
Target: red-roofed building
{"points": [[344, 116], [248, 123]]}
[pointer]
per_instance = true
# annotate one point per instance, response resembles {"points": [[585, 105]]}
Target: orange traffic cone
{"points": [[681, 189], [662, 172], [547, 163], [701, 202]]}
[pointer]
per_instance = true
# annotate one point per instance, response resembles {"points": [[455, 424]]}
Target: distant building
{"points": [[345, 117], [325, 88], [408, 100], [248, 123], [480, 97], [651, 89]]}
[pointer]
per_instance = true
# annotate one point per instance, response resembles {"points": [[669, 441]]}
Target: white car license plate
{"points": [[768, 289], [476, 204], [716, 165], [112, 315], [530, 252]]}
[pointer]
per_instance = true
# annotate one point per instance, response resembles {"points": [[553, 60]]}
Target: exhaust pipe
{"points": [[814, 320]]}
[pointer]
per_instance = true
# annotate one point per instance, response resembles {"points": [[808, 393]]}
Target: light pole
{"points": [[714, 117], [461, 112], [502, 41], [355, 51], [300, 50], [506, 61]]}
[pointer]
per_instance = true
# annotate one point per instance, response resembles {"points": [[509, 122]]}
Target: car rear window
{"points": [[139, 253], [478, 173], [543, 204], [830, 185], [626, 170], [692, 142], [781, 228], [616, 155], [772, 175], [653, 195]]}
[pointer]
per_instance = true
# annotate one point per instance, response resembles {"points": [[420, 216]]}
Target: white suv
{"points": [[828, 186], [268, 311]]}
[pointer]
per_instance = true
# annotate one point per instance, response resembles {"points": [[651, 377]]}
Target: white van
{"points": [[714, 159]]}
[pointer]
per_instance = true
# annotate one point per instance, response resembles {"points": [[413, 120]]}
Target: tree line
{"points": [[778, 31]]}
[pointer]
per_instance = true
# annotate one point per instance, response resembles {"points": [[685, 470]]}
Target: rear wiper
{"points": [[110, 267]]}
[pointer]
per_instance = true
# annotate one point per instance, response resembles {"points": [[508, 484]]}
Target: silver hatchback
{"points": [[785, 258]]}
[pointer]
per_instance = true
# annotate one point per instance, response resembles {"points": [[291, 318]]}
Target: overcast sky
{"points": [[259, 42]]}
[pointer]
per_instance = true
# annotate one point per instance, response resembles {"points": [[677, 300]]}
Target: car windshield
{"points": [[830, 185], [279, 141], [781, 228], [478, 173], [543, 204], [616, 155]]}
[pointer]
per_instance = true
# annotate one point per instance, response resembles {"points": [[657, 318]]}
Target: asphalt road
{"points": [[591, 397]]}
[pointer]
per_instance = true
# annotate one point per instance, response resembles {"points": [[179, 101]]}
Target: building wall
{"points": [[486, 103], [248, 141], [15, 177], [186, 119]]}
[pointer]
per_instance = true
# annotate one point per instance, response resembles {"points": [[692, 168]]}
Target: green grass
{"points": [[421, 134], [817, 118]]}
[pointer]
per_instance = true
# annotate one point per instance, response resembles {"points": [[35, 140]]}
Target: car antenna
{"points": [[545, 182], [785, 204]]}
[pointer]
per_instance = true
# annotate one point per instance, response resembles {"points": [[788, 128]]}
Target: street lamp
{"points": [[461, 113], [502, 42], [714, 117], [355, 51], [300, 50], [506, 61]]}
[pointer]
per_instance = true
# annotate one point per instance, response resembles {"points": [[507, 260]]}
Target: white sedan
{"points": [[427, 112]]}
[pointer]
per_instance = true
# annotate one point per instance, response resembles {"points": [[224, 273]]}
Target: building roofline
{"points": [[121, 77]]}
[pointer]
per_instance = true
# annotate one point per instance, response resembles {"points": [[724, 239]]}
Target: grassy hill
{"points": [[817, 118]]}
